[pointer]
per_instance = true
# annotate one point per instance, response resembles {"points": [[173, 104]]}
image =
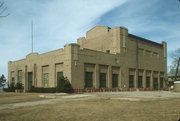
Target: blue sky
{"points": [[58, 22]]}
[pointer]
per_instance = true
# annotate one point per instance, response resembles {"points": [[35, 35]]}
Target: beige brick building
{"points": [[105, 58]]}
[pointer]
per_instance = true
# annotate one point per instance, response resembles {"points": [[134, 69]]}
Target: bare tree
{"points": [[175, 64], [2, 10]]}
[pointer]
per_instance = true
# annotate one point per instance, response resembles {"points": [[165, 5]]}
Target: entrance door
{"points": [[30, 79]]}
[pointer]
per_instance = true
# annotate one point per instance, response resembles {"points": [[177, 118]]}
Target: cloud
{"points": [[56, 22], [156, 20]]}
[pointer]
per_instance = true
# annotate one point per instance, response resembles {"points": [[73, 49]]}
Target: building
{"points": [[105, 58]]}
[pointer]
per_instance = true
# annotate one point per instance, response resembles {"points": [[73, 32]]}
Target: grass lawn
{"points": [[7, 98], [97, 109]]}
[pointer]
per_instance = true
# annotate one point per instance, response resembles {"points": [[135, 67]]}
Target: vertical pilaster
{"points": [[158, 80], [16, 76], [55, 76], [96, 84], [25, 79], [34, 75], [52, 72], [151, 80], [120, 79], [109, 84], [9, 73], [144, 79], [135, 78]]}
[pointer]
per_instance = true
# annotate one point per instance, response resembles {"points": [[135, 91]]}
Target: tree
{"points": [[174, 68], [2, 9], [2, 81]]}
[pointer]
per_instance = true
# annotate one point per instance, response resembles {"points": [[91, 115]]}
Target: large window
{"points": [[161, 82], [147, 82], [114, 80], [59, 75], [102, 80], [140, 82], [155, 83], [88, 79], [131, 81], [30, 80], [12, 77], [20, 76], [45, 80]]}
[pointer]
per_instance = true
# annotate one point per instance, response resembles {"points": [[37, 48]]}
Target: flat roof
{"points": [[145, 40]]}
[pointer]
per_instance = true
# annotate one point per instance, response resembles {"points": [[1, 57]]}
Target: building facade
{"points": [[105, 58]]}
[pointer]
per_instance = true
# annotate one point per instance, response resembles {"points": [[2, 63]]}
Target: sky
{"points": [[58, 22]]}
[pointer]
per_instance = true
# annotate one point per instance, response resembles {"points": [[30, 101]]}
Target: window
{"points": [[155, 54], [131, 81], [161, 82], [12, 80], [155, 83], [148, 53], [88, 79], [59, 75], [140, 51], [102, 80], [114, 80], [20, 76], [12, 77], [140, 82], [147, 82], [30, 80], [45, 80]]}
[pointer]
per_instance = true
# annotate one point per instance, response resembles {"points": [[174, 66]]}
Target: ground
{"points": [[104, 106]]}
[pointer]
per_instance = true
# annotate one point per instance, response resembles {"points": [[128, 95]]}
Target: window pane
{"points": [[59, 75], [147, 82], [20, 76], [88, 79], [114, 80], [45, 80], [102, 80], [139, 81], [155, 83], [131, 81]]}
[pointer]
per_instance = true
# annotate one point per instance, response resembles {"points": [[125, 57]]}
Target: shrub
{"points": [[63, 85], [43, 90], [19, 85], [11, 88]]}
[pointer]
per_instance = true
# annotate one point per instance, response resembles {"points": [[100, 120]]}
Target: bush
{"points": [[11, 88], [19, 86], [63, 85], [43, 90]]}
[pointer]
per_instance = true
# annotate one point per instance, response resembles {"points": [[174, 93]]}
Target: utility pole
{"points": [[32, 35]]}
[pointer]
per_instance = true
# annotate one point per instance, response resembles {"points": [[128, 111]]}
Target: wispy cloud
{"points": [[56, 22], [156, 20]]}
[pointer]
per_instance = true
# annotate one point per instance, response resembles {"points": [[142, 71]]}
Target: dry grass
{"points": [[97, 109], [7, 98]]}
